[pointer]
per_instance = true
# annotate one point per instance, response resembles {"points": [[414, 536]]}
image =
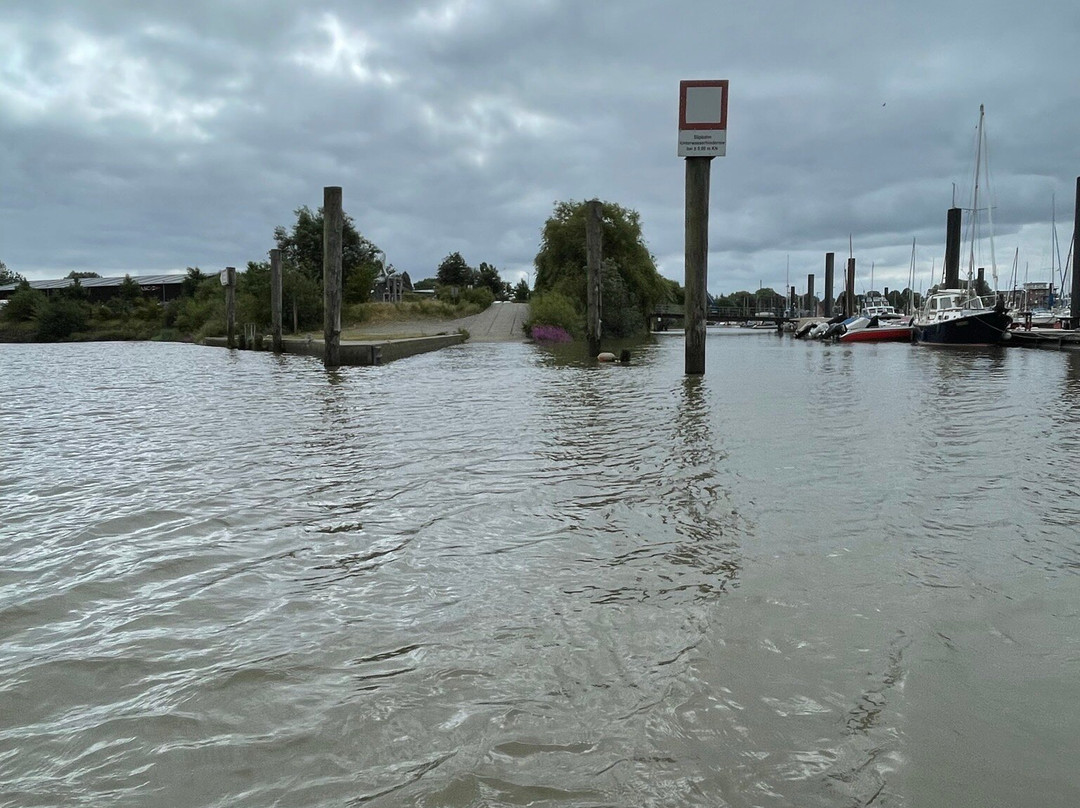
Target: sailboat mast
{"points": [[975, 198]]}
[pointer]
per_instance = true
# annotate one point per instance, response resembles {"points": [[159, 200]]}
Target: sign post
{"points": [[702, 136]]}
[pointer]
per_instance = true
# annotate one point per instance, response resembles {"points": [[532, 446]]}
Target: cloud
{"points": [[161, 135]]}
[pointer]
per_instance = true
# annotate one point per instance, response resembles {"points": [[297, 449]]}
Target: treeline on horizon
{"points": [[632, 287]]}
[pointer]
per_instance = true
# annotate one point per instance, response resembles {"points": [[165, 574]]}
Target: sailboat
{"points": [[957, 315]]}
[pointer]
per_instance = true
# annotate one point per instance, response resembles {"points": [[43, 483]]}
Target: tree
{"points": [[488, 276], [521, 291], [77, 275], [453, 271], [561, 263], [301, 248], [190, 285], [8, 276], [24, 304], [130, 293]]}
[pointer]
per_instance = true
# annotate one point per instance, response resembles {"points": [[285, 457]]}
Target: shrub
{"points": [[61, 317], [555, 309], [479, 296], [23, 305], [550, 333]]}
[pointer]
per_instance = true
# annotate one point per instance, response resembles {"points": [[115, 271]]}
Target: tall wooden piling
{"points": [[333, 230], [811, 306], [952, 249], [829, 259], [849, 289], [696, 261], [1074, 309], [275, 299], [594, 249], [230, 306]]}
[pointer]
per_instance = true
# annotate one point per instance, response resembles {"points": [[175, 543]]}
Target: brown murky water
{"points": [[818, 576]]}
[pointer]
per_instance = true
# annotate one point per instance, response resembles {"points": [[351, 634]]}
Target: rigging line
{"points": [[990, 204]]}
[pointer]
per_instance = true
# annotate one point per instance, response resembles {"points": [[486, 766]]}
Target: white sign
{"points": [[703, 118]]}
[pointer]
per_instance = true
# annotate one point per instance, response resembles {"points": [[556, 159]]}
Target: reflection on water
{"points": [[505, 575]]}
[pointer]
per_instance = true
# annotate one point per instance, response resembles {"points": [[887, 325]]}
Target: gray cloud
{"points": [[153, 136]]}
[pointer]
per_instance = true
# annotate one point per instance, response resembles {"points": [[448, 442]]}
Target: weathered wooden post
{"points": [[1074, 308], [230, 305], [702, 136], [849, 289], [829, 259], [275, 298], [594, 250], [333, 229], [697, 261]]}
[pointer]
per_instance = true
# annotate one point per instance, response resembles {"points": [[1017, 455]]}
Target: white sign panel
{"points": [[703, 118]]}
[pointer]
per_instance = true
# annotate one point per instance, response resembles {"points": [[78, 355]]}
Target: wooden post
{"points": [[230, 306], [849, 290], [697, 260], [594, 249], [1074, 307], [275, 298], [333, 230], [829, 259]]}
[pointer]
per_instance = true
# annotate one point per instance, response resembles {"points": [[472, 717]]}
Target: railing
{"points": [[726, 314]]}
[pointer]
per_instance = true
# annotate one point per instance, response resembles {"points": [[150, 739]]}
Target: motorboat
{"points": [[960, 317]]}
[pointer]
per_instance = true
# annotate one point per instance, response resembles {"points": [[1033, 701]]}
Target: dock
{"points": [[1059, 339]]}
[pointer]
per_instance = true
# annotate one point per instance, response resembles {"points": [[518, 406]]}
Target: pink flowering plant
{"points": [[550, 333]]}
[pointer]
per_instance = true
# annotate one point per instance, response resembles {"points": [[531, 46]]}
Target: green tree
{"points": [[130, 294], [561, 262], [190, 285], [521, 291], [24, 304], [8, 276], [302, 248], [487, 275], [77, 275], [61, 317], [453, 271]]}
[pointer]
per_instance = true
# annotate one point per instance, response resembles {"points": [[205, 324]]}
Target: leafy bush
{"points": [[60, 318], [550, 333], [622, 315], [479, 296], [555, 309], [23, 305]]}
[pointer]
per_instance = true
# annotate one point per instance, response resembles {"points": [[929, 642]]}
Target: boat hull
{"points": [[885, 333], [983, 328]]}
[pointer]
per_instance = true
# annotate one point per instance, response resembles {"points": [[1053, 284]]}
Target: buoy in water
{"points": [[606, 356]]}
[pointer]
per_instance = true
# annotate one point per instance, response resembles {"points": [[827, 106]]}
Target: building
{"points": [[162, 288]]}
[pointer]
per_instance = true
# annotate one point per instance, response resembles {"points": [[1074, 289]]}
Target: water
{"points": [[818, 576]]}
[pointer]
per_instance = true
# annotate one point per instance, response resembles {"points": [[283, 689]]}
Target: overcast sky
{"points": [[151, 136]]}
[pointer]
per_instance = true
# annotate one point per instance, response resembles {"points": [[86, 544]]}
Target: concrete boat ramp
{"points": [[378, 343]]}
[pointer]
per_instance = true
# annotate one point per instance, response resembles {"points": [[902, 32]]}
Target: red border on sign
{"points": [[723, 104]]}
